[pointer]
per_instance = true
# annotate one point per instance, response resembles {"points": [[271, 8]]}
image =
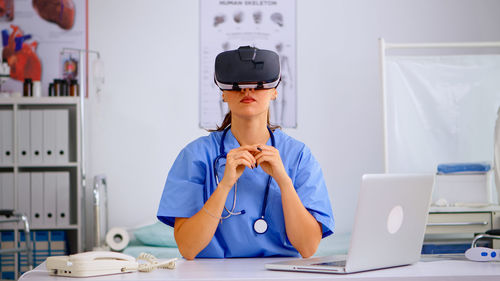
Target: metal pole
{"points": [[82, 150], [27, 239], [384, 102], [81, 53]]}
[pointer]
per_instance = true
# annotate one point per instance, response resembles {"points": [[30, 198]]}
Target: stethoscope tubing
{"points": [[222, 154]]}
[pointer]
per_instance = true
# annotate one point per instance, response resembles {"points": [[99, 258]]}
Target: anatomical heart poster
{"points": [[227, 25], [34, 32]]}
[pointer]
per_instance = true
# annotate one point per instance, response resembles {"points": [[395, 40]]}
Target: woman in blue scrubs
{"points": [[247, 189]]}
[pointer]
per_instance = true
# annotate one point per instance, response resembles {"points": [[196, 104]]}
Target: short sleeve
{"points": [[311, 188], [183, 192]]}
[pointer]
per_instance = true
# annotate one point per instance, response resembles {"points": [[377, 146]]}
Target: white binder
{"points": [[36, 135], [6, 137], [62, 206], [24, 195], [49, 136], [7, 191], [7, 196], [23, 136], [49, 198], [37, 199], [2, 117], [62, 136]]}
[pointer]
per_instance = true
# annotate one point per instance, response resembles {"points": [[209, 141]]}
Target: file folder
{"points": [[2, 117], [6, 137], [37, 199], [23, 257], [36, 135], [7, 261], [49, 135], [62, 206], [7, 196], [24, 195], [7, 191], [49, 199], [8, 187], [8, 273], [41, 248], [23, 136], [62, 136], [58, 243]]}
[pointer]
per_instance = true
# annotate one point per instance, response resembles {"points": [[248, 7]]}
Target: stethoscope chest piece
{"points": [[260, 226]]}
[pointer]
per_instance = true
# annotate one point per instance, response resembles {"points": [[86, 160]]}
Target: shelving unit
{"points": [[461, 224], [73, 166]]}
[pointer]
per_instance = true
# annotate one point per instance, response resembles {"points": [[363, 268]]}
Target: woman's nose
{"points": [[246, 91]]}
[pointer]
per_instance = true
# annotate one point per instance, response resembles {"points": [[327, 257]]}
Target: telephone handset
{"points": [[97, 263], [101, 255]]}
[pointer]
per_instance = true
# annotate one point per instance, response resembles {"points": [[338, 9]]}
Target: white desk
{"points": [[253, 269]]}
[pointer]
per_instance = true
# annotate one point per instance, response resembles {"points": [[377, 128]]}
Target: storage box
{"points": [[464, 189]]}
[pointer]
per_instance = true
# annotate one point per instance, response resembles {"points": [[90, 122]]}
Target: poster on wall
{"points": [[226, 25], [34, 32]]}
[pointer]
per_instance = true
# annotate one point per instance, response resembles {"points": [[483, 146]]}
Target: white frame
{"points": [[383, 46]]}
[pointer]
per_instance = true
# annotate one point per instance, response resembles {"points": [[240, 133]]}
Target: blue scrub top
{"points": [[191, 181]]}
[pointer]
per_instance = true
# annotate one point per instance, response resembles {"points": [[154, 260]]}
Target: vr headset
{"points": [[247, 67]]}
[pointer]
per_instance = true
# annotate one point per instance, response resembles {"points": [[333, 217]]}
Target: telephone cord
{"points": [[152, 263]]}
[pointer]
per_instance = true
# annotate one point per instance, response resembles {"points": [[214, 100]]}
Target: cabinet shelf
{"points": [[67, 227], [61, 165], [40, 101], [57, 227], [48, 165]]}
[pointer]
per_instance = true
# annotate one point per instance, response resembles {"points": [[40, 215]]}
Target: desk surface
{"points": [[253, 269]]}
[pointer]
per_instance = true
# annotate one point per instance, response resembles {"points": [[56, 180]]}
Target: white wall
{"points": [[149, 108]]}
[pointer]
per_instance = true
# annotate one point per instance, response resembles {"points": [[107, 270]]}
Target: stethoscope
{"points": [[260, 224]]}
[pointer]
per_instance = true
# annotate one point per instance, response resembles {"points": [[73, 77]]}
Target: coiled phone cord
{"points": [[152, 263]]}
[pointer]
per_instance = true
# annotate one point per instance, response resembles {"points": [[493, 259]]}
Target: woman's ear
{"points": [[274, 94]]}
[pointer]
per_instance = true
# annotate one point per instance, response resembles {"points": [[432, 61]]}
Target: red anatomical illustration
{"points": [[21, 57], [60, 12], [9, 44], [7, 9]]}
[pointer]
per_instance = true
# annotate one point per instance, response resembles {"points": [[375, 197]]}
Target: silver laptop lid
{"points": [[390, 221]]}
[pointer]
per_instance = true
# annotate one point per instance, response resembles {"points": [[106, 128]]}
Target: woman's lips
{"points": [[247, 100]]}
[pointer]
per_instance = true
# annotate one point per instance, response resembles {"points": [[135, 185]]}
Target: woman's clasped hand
{"points": [[252, 156]]}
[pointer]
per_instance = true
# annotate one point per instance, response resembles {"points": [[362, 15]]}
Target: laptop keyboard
{"points": [[332, 263]]}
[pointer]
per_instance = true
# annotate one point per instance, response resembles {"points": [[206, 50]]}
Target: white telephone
{"points": [[103, 263]]}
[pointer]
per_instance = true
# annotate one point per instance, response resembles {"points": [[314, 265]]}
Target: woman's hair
{"points": [[227, 121]]}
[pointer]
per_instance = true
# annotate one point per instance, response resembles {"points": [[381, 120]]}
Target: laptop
{"points": [[389, 227]]}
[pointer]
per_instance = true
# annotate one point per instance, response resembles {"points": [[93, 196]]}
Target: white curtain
{"points": [[440, 109]]}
